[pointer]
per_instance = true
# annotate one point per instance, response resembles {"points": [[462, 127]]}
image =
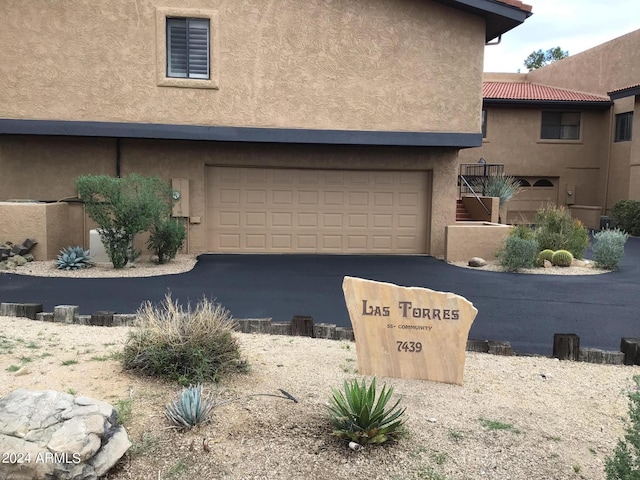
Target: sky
{"points": [[573, 25]]}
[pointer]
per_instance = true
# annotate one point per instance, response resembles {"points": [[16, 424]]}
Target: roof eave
{"points": [[509, 102], [625, 92], [499, 17]]}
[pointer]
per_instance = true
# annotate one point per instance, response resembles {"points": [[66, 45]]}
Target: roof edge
{"points": [[10, 126], [595, 105]]}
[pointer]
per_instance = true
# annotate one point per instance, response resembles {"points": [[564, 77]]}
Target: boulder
{"points": [[477, 262], [56, 435], [547, 264]]}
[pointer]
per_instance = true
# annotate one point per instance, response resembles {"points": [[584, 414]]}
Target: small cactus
{"points": [[73, 258], [544, 255], [562, 258]]}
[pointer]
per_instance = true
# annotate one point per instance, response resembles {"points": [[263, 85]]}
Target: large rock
{"points": [[408, 332], [50, 434]]}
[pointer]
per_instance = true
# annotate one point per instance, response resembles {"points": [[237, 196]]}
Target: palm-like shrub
{"points": [[501, 186], [190, 408], [360, 415], [179, 344]]}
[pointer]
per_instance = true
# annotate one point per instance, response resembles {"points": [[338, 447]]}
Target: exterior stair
{"points": [[462, 215]]}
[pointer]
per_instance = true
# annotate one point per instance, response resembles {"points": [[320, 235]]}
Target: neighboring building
{"points": [[567, 130], [288, 126]]}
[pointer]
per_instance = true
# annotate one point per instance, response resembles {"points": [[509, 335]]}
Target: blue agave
{"points": [[73, 258]]}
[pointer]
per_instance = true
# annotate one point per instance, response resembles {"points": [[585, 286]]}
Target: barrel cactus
{"points": [[545, 255], [73, 258], [562, 258]]}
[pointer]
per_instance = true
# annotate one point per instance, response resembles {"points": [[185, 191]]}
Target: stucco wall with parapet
{"points": [[610, 66], [410, 65]]}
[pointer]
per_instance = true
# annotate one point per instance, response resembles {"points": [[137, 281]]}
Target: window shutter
{"points": [[188, 47], [198, 48]]}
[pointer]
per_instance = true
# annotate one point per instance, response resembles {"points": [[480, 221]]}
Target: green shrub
{"points": [[73, 258], [556, 230], [166, 238], [518, 253], [542, 256], [625, 215], [122, 208], [357, 416], [608, 248], [190, 409], [522, 231], [625, 463], [562, 258], [183, 345]]}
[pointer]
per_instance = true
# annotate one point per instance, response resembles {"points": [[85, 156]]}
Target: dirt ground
{"points": [[514, 417]]}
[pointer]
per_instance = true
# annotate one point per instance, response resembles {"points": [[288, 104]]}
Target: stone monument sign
{"points": [[408, 332]]}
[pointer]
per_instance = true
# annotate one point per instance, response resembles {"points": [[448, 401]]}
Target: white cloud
{"points": [[573, 25]]}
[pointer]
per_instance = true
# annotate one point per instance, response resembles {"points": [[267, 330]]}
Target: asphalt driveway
{"points": [[525, 310]]}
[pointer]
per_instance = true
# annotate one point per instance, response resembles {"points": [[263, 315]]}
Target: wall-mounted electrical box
{"points": [[181, 196]]}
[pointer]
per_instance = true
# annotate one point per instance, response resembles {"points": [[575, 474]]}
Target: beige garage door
{"points": [[537, 192], [328, 211]]}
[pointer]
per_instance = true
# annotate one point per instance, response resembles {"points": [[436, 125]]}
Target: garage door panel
{"points": [[335, 211]]}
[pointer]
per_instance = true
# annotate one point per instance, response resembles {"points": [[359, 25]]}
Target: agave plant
{"points": [[358, 416], [73, 258], [190, 408]]}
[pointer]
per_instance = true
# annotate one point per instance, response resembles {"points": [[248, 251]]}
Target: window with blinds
{"points": [[560, 125], [188, 48]]}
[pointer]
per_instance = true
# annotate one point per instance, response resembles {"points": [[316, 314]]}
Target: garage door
{"points": [[329, 211], [537, 192]]}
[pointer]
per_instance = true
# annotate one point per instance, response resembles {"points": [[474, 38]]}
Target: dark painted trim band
{"points": [[587, 104], [625, 92], [238, 134]]}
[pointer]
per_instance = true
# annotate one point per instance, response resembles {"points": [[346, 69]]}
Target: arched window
{"points": [[543, 182], [523, 182]]}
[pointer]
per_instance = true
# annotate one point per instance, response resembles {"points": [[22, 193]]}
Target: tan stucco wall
{"points": [[467, 240], [513, 138], [620, 153], [634, 159], [610, 66], [53, 225], [351, 64], [588, 215], [478, 213]]}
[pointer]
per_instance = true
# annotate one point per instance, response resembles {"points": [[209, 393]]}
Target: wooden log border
{"points": [[300, 325]]}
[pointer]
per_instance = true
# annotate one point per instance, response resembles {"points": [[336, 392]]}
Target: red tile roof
{"points": [[535, 92], [517, 4]]}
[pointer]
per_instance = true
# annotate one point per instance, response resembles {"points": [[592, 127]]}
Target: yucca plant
{"points": [[73, 258], [190, 408], [358, 416]]}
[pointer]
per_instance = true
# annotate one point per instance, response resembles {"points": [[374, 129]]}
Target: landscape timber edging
{"points": [[68, 314]]}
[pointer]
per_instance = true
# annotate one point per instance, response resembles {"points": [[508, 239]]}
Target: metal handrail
{"points": [[475, 195]]}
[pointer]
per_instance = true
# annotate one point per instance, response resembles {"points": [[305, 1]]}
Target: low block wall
{"points": [[53, 225], [589, 215], [474, 239], [478, 213]]}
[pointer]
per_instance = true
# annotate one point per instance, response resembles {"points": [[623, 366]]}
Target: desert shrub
{"points": [[608, 248], [73, 258], [357, 415], [122, 208], [166, 238], [625, 215], [562, 258], [556, 230], [190, 408], [522, 231], [518, 253], [625, 462], [189, 346], [502, 186]]}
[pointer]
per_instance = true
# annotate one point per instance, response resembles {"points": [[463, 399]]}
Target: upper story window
{"points": [[560, 126], [188, 48], [484, 124], [624, 126]]}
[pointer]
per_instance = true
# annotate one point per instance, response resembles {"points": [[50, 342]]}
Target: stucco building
{"points": [[567, 130], [287, 126]]}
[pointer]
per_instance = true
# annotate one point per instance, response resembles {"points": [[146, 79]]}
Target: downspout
{"points": [[609, 148], [118, 157]]}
